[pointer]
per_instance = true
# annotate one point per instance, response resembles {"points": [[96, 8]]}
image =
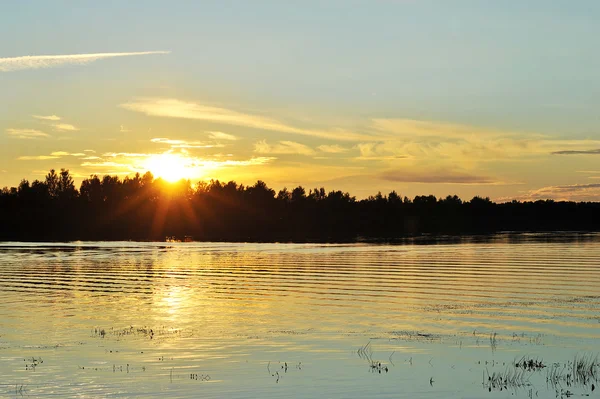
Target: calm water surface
{"points": [[299, 320]]}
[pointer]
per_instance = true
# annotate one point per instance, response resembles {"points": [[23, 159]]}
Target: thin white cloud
{"points": [[65, 153], [415, 128], [65, 127], [465, 143], [173, 108], [332, 149], [47, 118], [379, 152], [283, 147], [89, 151], [183, 143], [26, 133], [164, 140], [53, 155], [446, 145], [124, 154], [105, 164], [36, 157], [123, 129], [50, 61], [53, 121], [249, 162], [221, 136]]}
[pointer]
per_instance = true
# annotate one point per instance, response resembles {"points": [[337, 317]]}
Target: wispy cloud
{"points": [[580, 152], [183, 143], [53, 155], [416, 128], [37, 157], [450, 145], [47, 118], [435, 176], [26, 133], [164, 140], [194, 167], [221, 136], [65, 127], [53, 121], [332, 149], [106, 164], [283, 147], [212, 164], [173, 108], [124, 154], [573, 192], [65, 153], [381, 151], [50, 61]]}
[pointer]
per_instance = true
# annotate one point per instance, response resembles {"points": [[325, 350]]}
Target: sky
{"points": [[466, 97]]}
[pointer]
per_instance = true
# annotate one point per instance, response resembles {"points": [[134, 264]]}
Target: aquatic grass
{"points": [[378, 367], [20, 390], [199, 377], [366, 352], [493, 341], [32, 363], [585, 368], [415, 336], [582, 370], [510, 377], [530, 364], [144, 332], [281, 367]]}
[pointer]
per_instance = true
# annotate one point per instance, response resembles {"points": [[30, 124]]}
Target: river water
{"points": [[242, 320]]}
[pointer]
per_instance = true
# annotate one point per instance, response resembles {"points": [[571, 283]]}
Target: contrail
{"points": [[50, 61]]}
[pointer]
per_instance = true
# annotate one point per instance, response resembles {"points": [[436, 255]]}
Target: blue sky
{"points": [[496, 89]]}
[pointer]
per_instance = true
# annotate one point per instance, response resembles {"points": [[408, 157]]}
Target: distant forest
{"points": [[145, 208]]}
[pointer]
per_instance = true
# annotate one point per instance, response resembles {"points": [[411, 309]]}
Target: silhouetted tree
{"points": [[298, 194], [144, 208], [91, 190], [394, 198], [66, 185], [52, 180]]}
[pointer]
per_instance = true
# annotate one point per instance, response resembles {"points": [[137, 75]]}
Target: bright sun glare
{"points": [[170, 167]]}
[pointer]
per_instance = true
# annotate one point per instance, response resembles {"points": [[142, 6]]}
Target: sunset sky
{"points": [[490, 98]]}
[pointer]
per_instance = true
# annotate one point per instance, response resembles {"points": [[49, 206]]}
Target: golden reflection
{"points": [[173, 299]]}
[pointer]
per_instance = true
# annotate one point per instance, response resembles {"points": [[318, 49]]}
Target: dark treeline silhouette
{"points": [[144, 208]]}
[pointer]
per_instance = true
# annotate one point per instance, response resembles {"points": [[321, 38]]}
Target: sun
{"points": [[170, 167]]}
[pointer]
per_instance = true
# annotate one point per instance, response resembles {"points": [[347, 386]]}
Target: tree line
{"points": [[144, 208]]}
